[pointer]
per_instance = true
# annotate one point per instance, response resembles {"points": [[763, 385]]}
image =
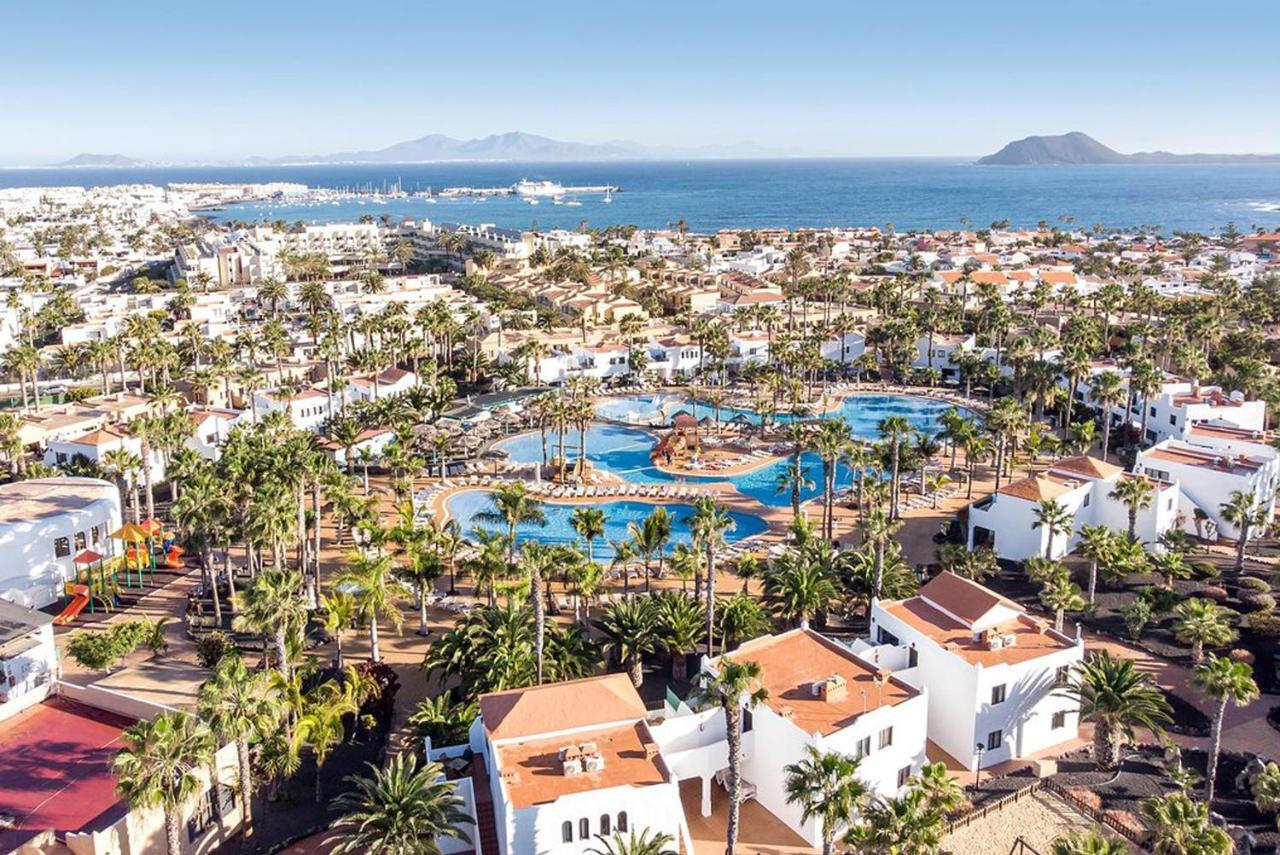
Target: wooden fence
{"points": [[1139, 839], [991, 807]]}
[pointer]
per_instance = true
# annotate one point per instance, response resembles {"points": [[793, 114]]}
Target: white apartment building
{"points": [[569, 761], [1174, 411], [1211, 470], [94, 446], [993, 671], [945, 348], [822, 695], [1006, 520], [307, 409]]}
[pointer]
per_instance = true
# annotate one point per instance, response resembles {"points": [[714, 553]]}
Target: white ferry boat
{"points": [[524, 187]]}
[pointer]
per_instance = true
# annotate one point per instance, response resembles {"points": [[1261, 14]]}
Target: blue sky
{"points": [[155, 80]]}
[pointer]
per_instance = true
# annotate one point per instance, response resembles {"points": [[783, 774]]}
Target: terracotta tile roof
{"points": [[1033, 638], [1089, 467], [554, 707], [792, 662], [1231, 432], [538, 771], [962, 597], [1035, 488], [97, 438]]}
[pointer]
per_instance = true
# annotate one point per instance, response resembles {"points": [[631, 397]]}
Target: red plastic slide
{"points": [[173, 558], [77, 604]]}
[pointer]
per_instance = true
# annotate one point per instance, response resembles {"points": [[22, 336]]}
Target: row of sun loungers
{"points": [[621, 491]]}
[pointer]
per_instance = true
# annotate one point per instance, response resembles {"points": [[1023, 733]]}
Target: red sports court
{"points": [[55, 770]]}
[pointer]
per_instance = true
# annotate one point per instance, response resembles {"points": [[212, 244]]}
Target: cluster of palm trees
{"points": [[269, 717]]}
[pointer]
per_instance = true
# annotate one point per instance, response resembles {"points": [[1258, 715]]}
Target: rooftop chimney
{"points": [[833, 689]]}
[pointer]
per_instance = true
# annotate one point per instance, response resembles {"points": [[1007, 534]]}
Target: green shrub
{"points": [[211, 649], [1258, 601], [1136, 618], [1159, 600], [1266, 624], [1253, 583], [93, 650]]}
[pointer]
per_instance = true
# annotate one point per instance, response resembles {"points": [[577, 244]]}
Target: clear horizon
{"points": [[825, 80]]}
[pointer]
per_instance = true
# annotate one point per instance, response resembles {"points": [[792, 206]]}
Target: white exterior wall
{"points": [[33, 575], [1210, 488], [28, 676], [538, 830], [1166, 420], [910, 722], [772, 743]]}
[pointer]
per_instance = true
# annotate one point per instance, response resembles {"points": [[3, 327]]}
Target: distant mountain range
{"points": [[1077, 148], [513, 146], [101, 160]]}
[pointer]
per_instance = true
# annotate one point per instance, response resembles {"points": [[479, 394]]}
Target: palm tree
{"points": [[647, 842], [1201, 622], [399, 809], [708, 527], [160, 767], [895, 430], [322, 725], [376, 591], [1180, 825], [536, 562], [1055, 519], [650, 537], [827, 788], [1091, 842], [904, 824], [237, 706], [1095, 544], [831, 440], [680, 624], [1137, 492], [512, 505], [734, 688], [272, 607], [1226, 681], [1107, 390], [631, 630], [798, 588], [588, 522], [339, 613], [1061, 595], [1116, 697], [1244, 512]]}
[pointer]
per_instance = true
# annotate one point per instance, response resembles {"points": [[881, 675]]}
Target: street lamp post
{"points": [[977, 772]]}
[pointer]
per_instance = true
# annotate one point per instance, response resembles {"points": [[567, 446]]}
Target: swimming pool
{"points": [[625, 451], [863, 413], [464, 507]]}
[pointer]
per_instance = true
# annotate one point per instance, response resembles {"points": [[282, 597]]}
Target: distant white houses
{"points": [[391, 381], [1006, 520], [993, 672], [306, 409], [44, 524]]}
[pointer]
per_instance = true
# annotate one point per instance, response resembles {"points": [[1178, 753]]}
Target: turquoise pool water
{"points": [[463, 507], [863, 413], [625, 450]]}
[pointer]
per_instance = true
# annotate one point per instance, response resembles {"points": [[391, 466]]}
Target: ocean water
{"points": [[464, 506], [708, 195]]}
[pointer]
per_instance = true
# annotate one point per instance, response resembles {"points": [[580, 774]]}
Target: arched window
{"points": [[61, 547], [80, 540], [604, 824], [584, 829], [622, 822], [566, 831]]}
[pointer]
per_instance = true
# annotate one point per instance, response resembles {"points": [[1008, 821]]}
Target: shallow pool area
{"points": [[464, 507]]}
